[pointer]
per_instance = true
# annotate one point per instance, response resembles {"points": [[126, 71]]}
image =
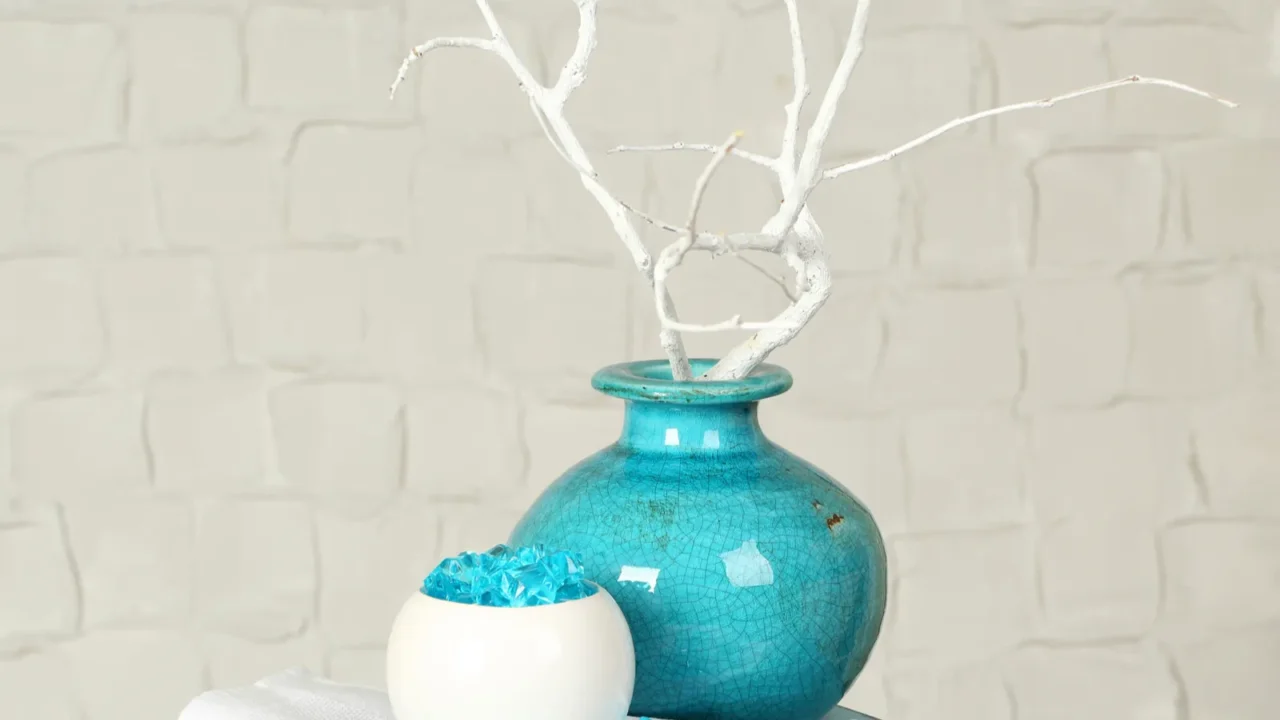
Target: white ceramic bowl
{"points": [[568, 661]]}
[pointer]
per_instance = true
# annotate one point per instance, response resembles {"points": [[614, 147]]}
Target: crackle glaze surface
{"points": [[754, 584]]}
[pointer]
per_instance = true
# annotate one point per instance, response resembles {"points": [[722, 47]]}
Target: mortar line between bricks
{"points": [[73, 566]]}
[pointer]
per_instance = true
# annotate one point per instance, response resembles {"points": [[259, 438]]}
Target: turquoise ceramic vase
{"points": [[753, 583]]}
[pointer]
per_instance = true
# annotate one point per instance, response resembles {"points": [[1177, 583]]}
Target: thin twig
{"points": [[660, 224], [756, 158], [1031, 105], [700, 186], [711, 242], [765, 271], [436, 44], [733, 323], [555, 142]]}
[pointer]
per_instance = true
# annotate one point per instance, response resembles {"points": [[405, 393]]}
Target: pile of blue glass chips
{"points": [[510, 577]]}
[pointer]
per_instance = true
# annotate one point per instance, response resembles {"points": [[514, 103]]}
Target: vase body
{"points": [[754, 585]]}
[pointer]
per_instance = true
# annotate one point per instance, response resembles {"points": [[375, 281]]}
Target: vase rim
{"points": [[651, 380]]}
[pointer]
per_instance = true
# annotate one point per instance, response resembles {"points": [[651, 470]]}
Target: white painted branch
{"points": [[1032, 105], [758, 159], [491, 21], [807, 174], [548, 104], [575, 70], [791, 232], [808, 252], [737, 242], [800, 82]]}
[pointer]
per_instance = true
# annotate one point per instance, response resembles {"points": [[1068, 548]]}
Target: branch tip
{"points": [[1034, 104]]}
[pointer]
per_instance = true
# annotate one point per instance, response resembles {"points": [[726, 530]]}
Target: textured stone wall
{"points": [[270, 344]]}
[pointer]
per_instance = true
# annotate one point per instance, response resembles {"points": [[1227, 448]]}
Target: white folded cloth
{"points": [[296, 694], [299, 694]]}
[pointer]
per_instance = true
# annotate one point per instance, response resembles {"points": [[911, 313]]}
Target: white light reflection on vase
{"points": [[643, 575], [673, 436], [746, 567]]}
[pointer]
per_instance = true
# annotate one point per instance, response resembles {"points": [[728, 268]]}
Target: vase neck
{"points": [[671, 427]]}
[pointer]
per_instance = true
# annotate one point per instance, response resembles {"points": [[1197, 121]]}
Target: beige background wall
{"points": [[270, 345]]}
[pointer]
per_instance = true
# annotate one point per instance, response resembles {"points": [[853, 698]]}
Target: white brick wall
{"points": [[239, 290]]}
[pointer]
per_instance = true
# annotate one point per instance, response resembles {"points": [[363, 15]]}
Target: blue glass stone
{"points": [[537, 587], [574, 592], [753, 583], [510, 577]]}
